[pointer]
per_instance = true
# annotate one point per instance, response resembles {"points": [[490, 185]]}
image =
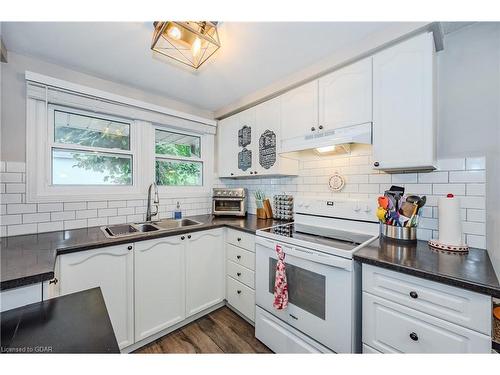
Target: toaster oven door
{"points": [[229, 206]]}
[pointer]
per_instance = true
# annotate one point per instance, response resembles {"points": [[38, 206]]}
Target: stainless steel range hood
{"points": [[361, 133]]}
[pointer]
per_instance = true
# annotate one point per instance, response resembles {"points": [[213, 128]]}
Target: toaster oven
{"points": [[229, 202]]}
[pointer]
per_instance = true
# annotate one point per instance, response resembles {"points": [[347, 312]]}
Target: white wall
{"points": [[469, 105], [13, 89]]}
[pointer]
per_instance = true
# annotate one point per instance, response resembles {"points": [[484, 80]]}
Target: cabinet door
{"points": [[204, 270], [403, 105], [299, 111], [345, 96], [111, 269], [227, 147], [245, 121], [159, 285], [267, 131]]}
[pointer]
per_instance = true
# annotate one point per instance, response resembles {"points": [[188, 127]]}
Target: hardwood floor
{"points": [[221, 331]]}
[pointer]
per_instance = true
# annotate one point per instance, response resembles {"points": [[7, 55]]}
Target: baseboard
{"points": [[168, 330]]}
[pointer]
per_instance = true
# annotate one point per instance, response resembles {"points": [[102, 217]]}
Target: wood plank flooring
{"points": [[221, 331]]}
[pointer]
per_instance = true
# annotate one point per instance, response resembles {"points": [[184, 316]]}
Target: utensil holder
{"points": [[407, 234]]}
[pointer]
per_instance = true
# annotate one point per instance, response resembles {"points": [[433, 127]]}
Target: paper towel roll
{"points": [[450, 224]]}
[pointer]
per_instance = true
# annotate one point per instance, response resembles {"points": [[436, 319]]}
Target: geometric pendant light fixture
{"points": [[190, 42]]}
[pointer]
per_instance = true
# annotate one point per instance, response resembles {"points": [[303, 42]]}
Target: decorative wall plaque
{"points": [[267, 149], [244, 159], [245, 136], [336, 182]]}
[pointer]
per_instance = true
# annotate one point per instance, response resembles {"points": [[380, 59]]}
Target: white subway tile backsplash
{"points": [[11, 219], [50, 226], [380, 179], [433, 177], [404, 178], [21, 208], [16, 230], [476, 189], [468, 176], [11, 198], [62, 216], [2, 166], [117, 220], [101, 204], [107, 212], [11, 177], [36, 218], [74, 224], [15, 166], [85, 214], [476, 241], [117, 204], [470, 227], [476, 215], [15, 188], [444, 189], [97, 221], [50, 207], [457, 164], [125, 211], [475, 163], [419, 189], [73, 206]]}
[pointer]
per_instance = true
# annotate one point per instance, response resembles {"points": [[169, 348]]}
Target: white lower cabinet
{"points": [[204, 270], [159, 285], [151, 285], [17, 297], [111, 269], [407, 314]]}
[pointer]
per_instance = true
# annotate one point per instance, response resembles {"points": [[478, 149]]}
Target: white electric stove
{"points": [[323, 314]]}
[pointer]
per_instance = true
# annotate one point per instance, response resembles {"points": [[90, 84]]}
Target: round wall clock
{"points": [[336, 182]]}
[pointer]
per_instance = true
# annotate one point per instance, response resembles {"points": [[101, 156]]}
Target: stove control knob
{"points": [[367, 209], [357, 208]]}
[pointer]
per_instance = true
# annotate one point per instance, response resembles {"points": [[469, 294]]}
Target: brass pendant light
{"points": [[190, 42]]}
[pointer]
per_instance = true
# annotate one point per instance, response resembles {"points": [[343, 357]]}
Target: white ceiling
{"points": [[252, 56]]}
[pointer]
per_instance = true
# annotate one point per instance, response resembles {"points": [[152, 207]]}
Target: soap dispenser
{"points": [[178, 212]]}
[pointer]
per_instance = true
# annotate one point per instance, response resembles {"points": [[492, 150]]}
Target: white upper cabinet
{"points": [[227, 147], [111, 269], [205, 276], [299, 112], [404, 134], [159, 285], [345, 96], [249, 143]]}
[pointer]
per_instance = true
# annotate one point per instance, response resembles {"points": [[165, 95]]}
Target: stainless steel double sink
{"points": [[136, 229]]}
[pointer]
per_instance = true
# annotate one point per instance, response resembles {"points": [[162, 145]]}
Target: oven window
{"points": [[306, 289], [227, 205]]}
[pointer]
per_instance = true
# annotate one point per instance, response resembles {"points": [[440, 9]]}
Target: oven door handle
{"points": [[330, 260]]}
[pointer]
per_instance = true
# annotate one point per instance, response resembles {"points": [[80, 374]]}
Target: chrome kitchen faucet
{"points": [[156, 202]]}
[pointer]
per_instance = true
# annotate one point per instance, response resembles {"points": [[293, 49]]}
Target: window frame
{"points": [[205, 159], [40, 188], [52, 144]]}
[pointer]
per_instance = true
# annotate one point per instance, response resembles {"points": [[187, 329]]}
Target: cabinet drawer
{"points": [[239, 256], [241, 239], [241, 297], [459, 306], [393, 328], [241, 274]]}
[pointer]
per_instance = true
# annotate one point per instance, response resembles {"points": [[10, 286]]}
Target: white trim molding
{"points": [[99, 94]]}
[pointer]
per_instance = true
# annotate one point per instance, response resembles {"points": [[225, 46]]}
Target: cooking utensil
{"points": [[381, 213], [383, 202]]}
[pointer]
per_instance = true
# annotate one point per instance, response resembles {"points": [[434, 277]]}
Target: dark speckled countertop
{"points": [[473, 271], [30, 259], [74, 323]]}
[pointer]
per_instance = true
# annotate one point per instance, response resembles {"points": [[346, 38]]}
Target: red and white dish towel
{"points": [[280, 283]]}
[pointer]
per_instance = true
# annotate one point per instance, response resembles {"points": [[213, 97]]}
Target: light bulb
{"points": [[174, 32], [196, 47], [326, 149]]}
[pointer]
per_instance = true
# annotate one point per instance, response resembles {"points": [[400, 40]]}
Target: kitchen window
{"points": [[178, 159], [89, 149]]}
